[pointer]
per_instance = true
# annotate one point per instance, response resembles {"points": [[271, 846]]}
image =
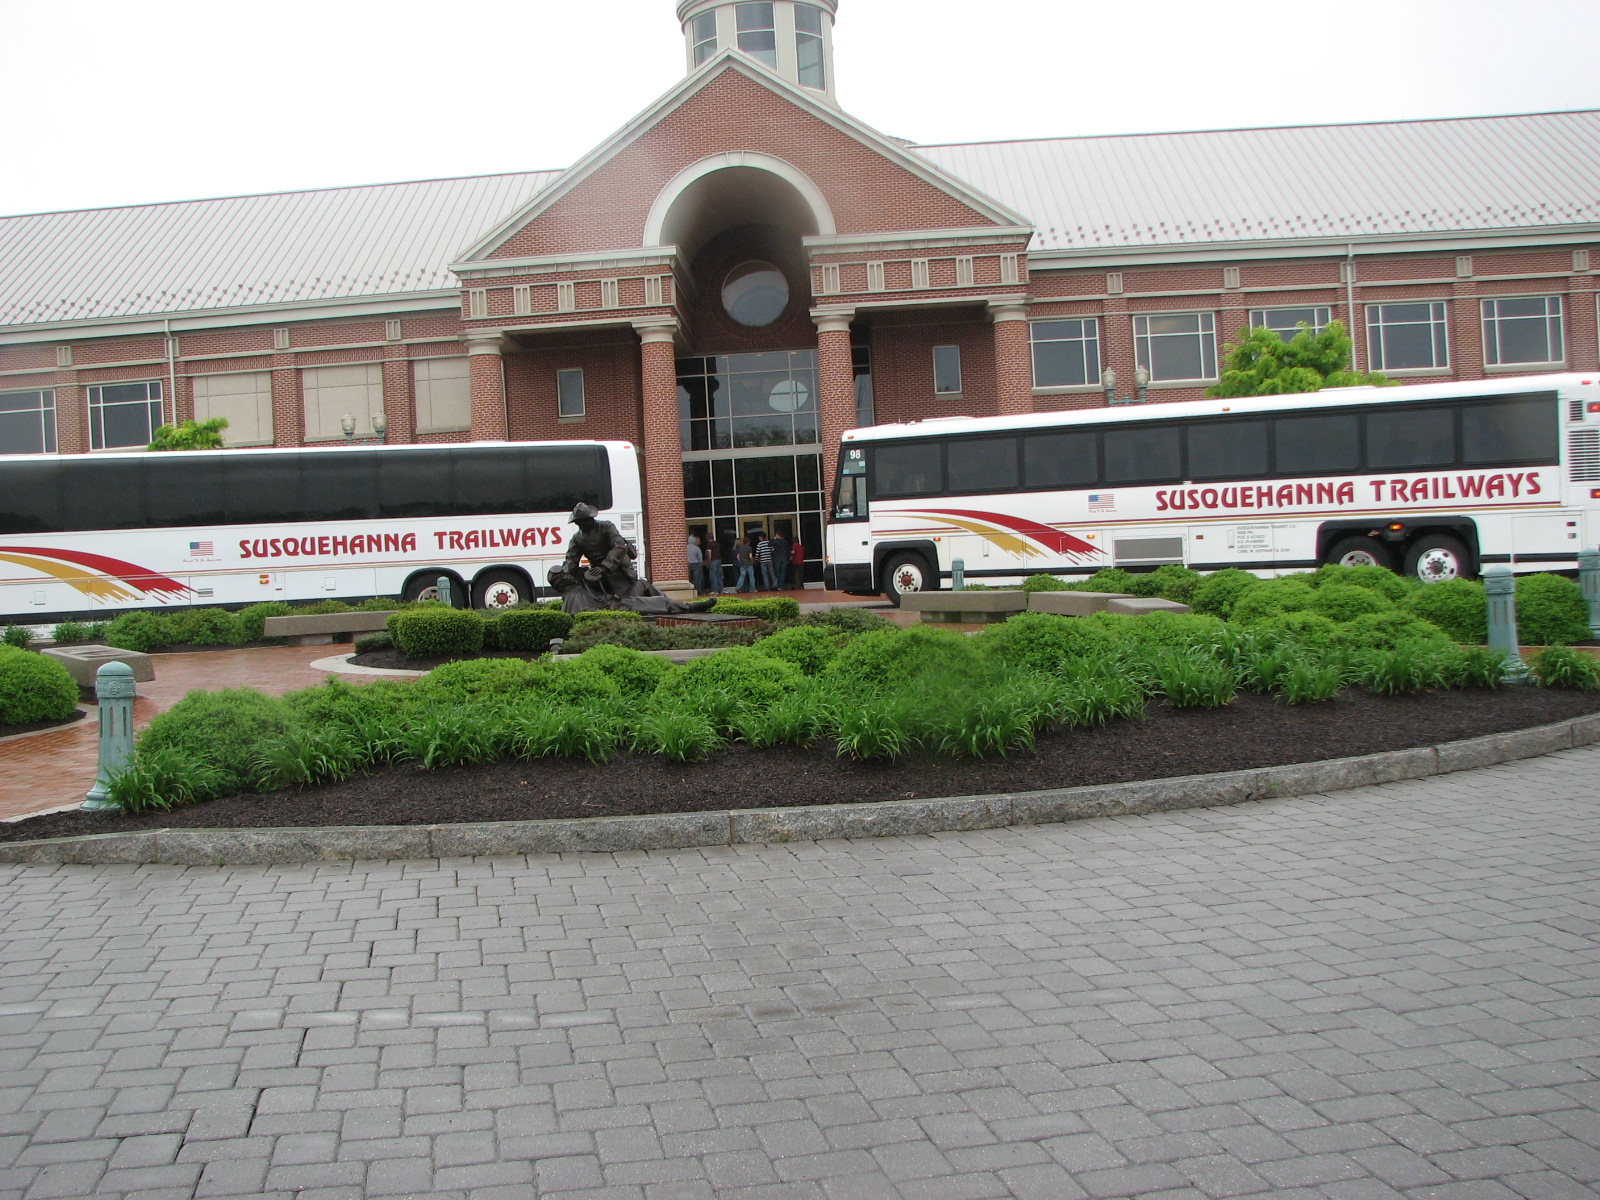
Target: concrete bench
{"points": [[1140, 605], [1072, 604], [317, 629], [968, 608], [82, 662]]}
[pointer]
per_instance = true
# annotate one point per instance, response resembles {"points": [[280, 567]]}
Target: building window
{"points": [[243, 400], [755, 294], [1065, 353], [443, 388], [28, 422], [946, 369], [808, 46], [124, 416], [1286, 322], [758, 34], [741, 401], [703, 33], [332, 393], [1176, 346], [1406, 337], [569, 394], [1523, 329]]}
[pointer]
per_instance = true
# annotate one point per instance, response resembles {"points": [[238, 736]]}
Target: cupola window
{"points": [[755, 294], [758, 32], [808, 46], [703, 33]]}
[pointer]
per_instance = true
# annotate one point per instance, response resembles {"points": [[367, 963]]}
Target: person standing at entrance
{"points": [[763, 558], [780, 562], [797, 565], [745, 561], [714, 578], [697, 569]]}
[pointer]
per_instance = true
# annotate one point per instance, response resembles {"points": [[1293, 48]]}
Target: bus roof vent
{"points": [[1575, 411]]}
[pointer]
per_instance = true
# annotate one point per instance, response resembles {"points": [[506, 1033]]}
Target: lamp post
{"points": [[1141, 383], [380, 427]]}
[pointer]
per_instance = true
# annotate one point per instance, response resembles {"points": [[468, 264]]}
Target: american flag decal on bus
{"points": [[202, 548], [1102, 502]]}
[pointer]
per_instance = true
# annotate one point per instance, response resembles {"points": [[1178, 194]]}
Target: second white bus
{"points": [[1433, 480]]}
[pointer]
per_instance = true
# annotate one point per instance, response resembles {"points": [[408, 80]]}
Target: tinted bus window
{"points": [[31, 500], [1409, 439], [911, 469], [1059, 460], [560, 476], [180, 490], [264, 489], [982, 464], [1328, 444], [105, 493], [1519, 430], [339, 487], [1228, 450], [1144, 454], [491, 481], [416, 485]]}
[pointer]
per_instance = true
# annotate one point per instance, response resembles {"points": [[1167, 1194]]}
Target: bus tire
{"points": [[907, 573], [496, 591], [1360, 552], [425, 586], [1438, 558]]}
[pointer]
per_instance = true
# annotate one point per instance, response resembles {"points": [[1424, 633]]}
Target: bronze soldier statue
{"points": [[610, 580]]}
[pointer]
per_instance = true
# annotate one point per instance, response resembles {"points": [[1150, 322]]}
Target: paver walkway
{"points": [[1381, 993]]}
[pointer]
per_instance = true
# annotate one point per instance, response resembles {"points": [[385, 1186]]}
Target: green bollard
{"points": [[443, 587], [1500, 588], [113, 688], [958, 574], [1589, 580]]}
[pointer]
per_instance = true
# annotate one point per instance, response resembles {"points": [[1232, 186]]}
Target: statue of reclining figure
{"points": [[609, 581]]}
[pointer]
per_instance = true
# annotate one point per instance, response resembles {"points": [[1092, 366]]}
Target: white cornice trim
{"points": [[663, 256], [732, 60], [1398, 243], [983, 235], [268, 314]]}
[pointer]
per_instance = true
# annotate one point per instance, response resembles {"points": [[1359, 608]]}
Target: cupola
{"points": [[792, 37]]}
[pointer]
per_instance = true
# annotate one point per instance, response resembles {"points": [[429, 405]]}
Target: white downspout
{"points": [[172, 370], [1357, 352]]}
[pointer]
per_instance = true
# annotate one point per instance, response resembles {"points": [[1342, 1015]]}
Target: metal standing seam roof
{"points": [[1125, 192], [1465, 175]]}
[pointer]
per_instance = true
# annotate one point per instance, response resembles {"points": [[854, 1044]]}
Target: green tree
{"points": [[1263, 364], [191, 435]]}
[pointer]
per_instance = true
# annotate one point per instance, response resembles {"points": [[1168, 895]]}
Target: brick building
{"points": [[745, 271]]}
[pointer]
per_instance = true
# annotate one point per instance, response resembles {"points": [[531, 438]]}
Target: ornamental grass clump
{"points": [[1551, 611], [1564, 667], [1471, 666], [796, 719], [224, 728], [679, 731], [590, 731], [1408, 667], [879, 726], [302, 757], [454, 736], [167, 778], [34, 688], [1310, 681], [1093, 700], [995, 720], [1192, 680]]}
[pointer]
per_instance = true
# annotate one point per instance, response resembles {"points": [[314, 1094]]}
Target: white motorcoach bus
{"points": [[91, 535], [1433, 480]]}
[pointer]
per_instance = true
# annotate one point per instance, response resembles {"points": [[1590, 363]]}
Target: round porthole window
{"points": [[755, 294], [788, 395]]}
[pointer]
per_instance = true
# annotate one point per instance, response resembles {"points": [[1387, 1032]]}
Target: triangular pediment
{"points": [[872, 184]]}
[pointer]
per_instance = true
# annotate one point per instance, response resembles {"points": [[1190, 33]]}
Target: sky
{"points": [[110, 102]]}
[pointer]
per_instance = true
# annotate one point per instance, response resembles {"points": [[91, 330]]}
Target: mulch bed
{"points": [[35, 726], [394, 660], [1254, 731]]}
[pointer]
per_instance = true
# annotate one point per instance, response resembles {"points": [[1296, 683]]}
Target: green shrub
{"points": [[157, 780], [1269, 597], [891, 659], [436, 631], [771, 608], [68, 632], [379, 604], [530, 629], [636, 675], [1345, 602], [1457, 606], [1168, 630], [34, 688], [252, 620], [807, 647], [1171, 582], [97, 631], [1305, 628], [1220, 591], [631, 634], [1043, 583], [1377, 579], [1044, 642], [605, 614], [141, 631], [205, 627], [320, 608], [1108, 579], [1388, 630], [847, 621], [1564, 667], [368, 643], [1550, 611], [728, 685], [225, 729], [511, 682], [16, 636]]}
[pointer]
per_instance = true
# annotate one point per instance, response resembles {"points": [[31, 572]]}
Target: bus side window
{"points": [[1408, 439], [1228, 450], [1143, 454], [108, 494], [1059, 460], [1317, 445], [911, 469], [33, 505], [184, 490], [1517, 430], [264, 489], [416, 484], [340, 486]]}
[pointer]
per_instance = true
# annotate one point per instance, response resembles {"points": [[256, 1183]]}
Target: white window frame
{"points": [[954, 353], [568, 379], [1439, 326], [154, 402], [457, 408], [1322, 317], [703, 48], [801, 38], [1555, 331], [206, 406], [359, 399], [1091, 337], [763, 55], [1204, 332], [47, 417]]}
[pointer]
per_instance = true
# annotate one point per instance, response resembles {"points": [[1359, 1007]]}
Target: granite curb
{"points": [[888, 818]]}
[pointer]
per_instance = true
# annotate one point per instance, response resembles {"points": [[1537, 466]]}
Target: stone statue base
{"points": [[619, 591]]}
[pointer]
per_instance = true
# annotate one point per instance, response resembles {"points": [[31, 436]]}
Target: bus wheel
{"points": [[1436, 558], [496, 591], [905, 573], [1360, 552], [426, 587]]}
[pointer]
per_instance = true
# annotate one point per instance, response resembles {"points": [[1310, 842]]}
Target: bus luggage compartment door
{"points": [[1546, 537], [1147, 551]]}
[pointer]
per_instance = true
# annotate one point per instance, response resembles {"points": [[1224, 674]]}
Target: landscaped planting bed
{"points": [[842, 707]]}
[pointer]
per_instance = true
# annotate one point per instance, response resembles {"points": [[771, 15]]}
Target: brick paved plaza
{"points": [[1372, 994]]}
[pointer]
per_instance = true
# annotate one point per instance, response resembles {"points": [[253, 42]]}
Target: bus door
{"points": [[1536, 537]]}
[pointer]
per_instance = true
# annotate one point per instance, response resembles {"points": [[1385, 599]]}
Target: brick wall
{"points": [[610, 363]]}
